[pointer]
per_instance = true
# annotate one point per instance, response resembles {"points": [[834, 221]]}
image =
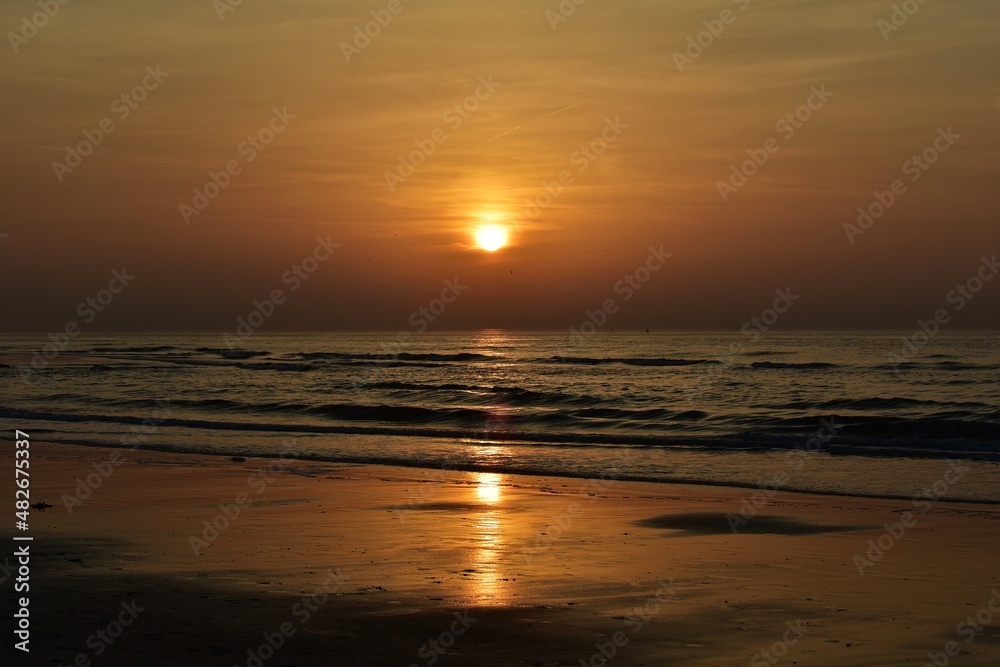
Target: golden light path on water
{"points": [[492, 551]]}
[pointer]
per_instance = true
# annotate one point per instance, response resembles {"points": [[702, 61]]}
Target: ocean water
{"points": [[861, 414]]}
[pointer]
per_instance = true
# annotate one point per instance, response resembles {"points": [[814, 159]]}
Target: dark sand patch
{"points": [[717, 523]]}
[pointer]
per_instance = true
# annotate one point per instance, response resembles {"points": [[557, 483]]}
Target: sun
{"points": [[491, 237]]}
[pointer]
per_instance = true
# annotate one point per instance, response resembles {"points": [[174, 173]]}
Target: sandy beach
{"points": [[185, 559]]}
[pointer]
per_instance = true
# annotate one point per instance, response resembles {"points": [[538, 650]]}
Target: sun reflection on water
{"points": [[488, 583]]}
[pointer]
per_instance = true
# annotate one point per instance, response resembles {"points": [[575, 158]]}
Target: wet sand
{"points": [[374, 565]]}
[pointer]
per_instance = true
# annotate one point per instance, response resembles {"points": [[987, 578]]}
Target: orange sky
{"points": [[609, 68]]}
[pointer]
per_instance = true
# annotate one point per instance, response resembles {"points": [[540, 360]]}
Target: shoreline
{"points": [[499, 470], [549, 569]]}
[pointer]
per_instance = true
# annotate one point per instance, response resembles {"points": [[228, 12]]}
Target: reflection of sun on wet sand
{"points": [[406, 573], [490, 558], [488, 487]]}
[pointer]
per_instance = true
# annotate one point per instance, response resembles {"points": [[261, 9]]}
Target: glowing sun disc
{"points": [[491, 237]]}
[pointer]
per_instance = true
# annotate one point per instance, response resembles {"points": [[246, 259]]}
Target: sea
{"points": [[883, 414]]}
